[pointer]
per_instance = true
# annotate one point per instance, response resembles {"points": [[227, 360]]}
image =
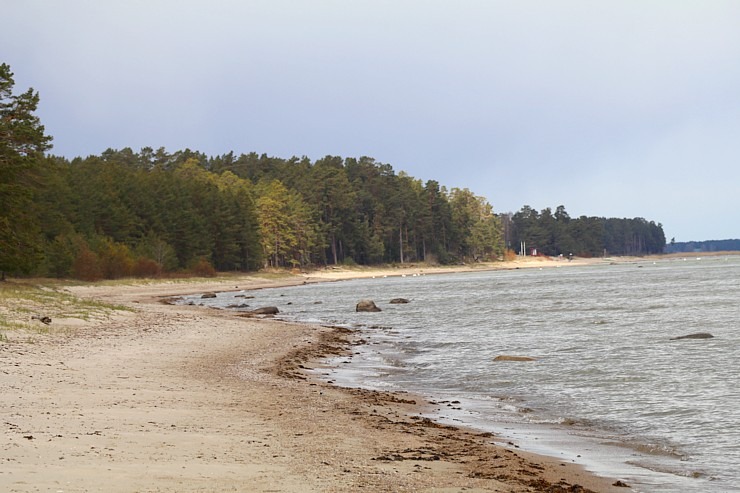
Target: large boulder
{"points": [[367, 306], [266, 310]]}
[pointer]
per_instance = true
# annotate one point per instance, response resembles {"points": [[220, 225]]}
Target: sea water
{"points": [[607, 387]]}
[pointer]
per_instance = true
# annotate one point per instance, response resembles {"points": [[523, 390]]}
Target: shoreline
{"points": [[182, 398]]}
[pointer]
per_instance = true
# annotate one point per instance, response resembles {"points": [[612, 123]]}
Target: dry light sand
{"points": [[168, 398]]}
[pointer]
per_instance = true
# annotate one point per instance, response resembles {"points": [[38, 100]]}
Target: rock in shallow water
{"points": [[266, 310], [699, 335], [367, 306], [504, 357]]}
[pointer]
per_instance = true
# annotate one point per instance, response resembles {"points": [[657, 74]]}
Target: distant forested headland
{"points": [[557, 233], [147, 213], [703, 246]]}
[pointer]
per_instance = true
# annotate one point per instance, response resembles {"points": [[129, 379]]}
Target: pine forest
{"points": [[152, 212]]}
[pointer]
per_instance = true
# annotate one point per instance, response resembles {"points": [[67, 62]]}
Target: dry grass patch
{"points": [[20, 301]]}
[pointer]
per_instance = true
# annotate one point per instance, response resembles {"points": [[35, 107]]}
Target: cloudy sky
{"points": [[618, 108]]}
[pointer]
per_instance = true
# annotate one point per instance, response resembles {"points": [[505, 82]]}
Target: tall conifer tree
{"points": [[22, 144]]}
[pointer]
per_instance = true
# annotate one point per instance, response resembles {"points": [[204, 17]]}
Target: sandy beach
{"points": [[169, 398]]}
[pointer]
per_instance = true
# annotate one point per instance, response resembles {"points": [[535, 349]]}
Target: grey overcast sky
{"points": [[618, 108]]}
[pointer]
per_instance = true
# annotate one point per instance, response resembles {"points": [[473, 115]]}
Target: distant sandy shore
{"points": [[173, 398]]}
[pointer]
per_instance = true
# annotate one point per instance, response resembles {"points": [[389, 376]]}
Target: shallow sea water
{"points": [[608, 387]]}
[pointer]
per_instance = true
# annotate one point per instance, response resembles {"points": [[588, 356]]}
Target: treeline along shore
{"points": [[147, 213]]}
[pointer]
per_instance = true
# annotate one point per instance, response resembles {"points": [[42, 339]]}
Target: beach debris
{"points": [[410, 454], [367, 306], [42, 319], [621, 484], [398, 301], [208, 295], [504, 357], [698, 335]]}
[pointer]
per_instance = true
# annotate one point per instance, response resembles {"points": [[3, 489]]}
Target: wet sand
{"points": [[186, 398]]}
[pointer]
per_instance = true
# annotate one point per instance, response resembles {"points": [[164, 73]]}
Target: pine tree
{"points": [[22, 144]]}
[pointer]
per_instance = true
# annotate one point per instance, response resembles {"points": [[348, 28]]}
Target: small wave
{"points": [[653, 448], [378, 327], [607, 308], [571, 349], [676, 471], [649, 447], [570, 422], [393, 362], [657, 307]]}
